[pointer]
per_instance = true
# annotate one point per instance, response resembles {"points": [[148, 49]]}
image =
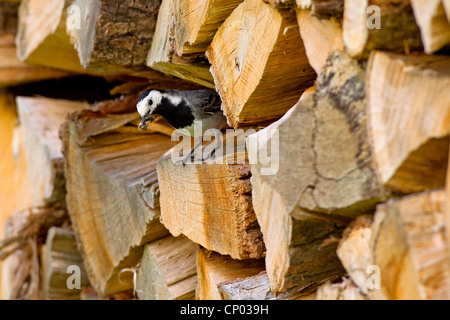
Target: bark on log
{"points": [[408, 245], [8, 17], [259, 63], [42, 37], [405, 95], [196, 23], [115, 35], [110, 170], [281, 3], [162, 55], [214, 269], [397, 30], [320, 36], [59, 253], [432, 21], [211, 204], [41, 119], [323, 8], [168, 270]]}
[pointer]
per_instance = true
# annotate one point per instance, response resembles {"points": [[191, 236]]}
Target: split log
{"points": [[446, 4], [405, 95], [168, 270], [41, 119], [258, 288], [396, 30], [196, 23], [354, 251], [214, 269], [408, 246], [110, 169], [162, 55], [312, 190], [14, 72], [115, 35], [211, 204], [14, 189], [24, 232], [320, 36], [250, 288], [59, 253], [42, 37], [345, 290], [433, 23], [259, 63]]}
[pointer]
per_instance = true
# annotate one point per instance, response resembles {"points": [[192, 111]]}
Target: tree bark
{"points": [[397, 30]]}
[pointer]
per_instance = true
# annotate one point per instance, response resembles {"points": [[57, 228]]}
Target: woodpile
{"points": [[330, 181]]}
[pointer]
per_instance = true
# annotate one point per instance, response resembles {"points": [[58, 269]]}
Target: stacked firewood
{"points": [[350, 98]]}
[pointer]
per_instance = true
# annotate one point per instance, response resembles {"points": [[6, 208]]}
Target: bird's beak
{"points": [[145, 119], [143, 125]]}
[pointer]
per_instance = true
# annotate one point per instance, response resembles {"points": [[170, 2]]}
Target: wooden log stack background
{"points": [[352, 96]]}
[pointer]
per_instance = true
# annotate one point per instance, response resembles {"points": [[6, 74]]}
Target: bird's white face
{"points": [[149, 103]]}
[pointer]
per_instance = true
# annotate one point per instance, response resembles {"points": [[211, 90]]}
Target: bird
{"points": [[182, 109]]}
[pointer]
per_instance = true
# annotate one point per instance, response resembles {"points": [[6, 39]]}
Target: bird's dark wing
{"points": [[206, 100]]}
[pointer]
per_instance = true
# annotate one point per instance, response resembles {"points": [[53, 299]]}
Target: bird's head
{"points": [[147, 106]]}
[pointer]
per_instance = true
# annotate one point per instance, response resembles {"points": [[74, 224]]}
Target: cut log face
{"points": [[389, 25], [197, 21], [167, 270], [320, 36], [162, 55], [409, 247], [211, 204], [110, 169], [41, 119], [214, 269], [115, 36], [433, 23], [59, 258], [408, 116], [259, 64], [319, 184], [42, 37]]}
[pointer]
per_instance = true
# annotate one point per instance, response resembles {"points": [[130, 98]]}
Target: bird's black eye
{"points": [[150, 102]]}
